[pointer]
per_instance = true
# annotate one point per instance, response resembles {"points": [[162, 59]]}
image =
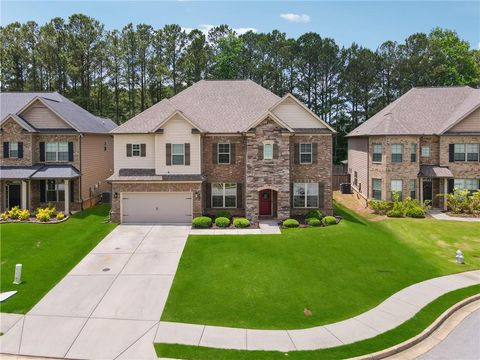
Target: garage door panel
{"points": [[172, 207]]}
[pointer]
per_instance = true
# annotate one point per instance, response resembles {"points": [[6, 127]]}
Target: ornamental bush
{"points": [[14, 212], [222, 222], [313, 214], [398, 209], [379, 207], [43, 215], [241, 223], [291, 223], [202, 222], [224, 214], [24, 215], [4, 216], [415, 212], [60, 216], [314, 222], [329, 220]]}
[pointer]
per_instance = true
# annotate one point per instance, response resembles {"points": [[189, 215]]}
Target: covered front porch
{"points": [[434, 183], [29, 187]]}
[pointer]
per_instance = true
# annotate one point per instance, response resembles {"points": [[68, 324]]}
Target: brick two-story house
{"points": [[53, 151], [424, 144], [221, 145]]}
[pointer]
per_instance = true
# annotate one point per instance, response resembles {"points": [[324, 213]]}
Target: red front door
{"points": [[266, 202]]}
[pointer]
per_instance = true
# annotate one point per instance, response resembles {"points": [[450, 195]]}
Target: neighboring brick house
{"points": [[424, 144], [53, 151], [222, 145]]}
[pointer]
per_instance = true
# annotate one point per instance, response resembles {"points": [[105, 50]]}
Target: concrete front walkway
{"points": [[439, 215], [391, 313], [109, 305]]}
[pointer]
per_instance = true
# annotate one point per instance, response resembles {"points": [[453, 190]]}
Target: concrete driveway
{"points": [[110, 304]]}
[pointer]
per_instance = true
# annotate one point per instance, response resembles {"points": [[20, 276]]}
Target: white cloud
{"points": [[298, 18], [205, 28]]}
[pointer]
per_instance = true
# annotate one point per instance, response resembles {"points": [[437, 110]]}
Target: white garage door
{"points": [[174, 207]]}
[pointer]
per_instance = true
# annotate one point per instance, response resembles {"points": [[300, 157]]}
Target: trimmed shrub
{"points": [[222, 222], [241, 223], [291, 223], [4, 216], [314, 222], [396, 213], [14, 212], [415, 212], [313, 214], [379, 207], [329, 220], [224, 214], [202, 222], [43, 215], [60, 216], [24, 215]]}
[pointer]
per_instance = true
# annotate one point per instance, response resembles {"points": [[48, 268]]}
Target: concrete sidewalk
{"points": [[109, 305], [439, 215], [391, 313]]}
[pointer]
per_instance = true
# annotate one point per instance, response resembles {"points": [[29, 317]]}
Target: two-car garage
{"points": [[156, 207]]}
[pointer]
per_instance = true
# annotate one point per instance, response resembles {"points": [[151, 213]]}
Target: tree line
{"points": [[120, 73]]}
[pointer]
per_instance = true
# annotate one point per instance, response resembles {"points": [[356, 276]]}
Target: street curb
{"points": [[396, 349]]}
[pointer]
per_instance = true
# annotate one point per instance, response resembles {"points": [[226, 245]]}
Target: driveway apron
{"points": [[110, 304]]}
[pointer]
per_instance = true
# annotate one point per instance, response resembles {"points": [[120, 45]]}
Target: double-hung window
{"points": [[224, 195], [413, 152], [223, 153], [178, 154], [13, 150], [136, 150], [472, 152], [377, 153], [267, 151], [425, 151], [55, 190], [397, 152], [305, 153], [396, 187], [413, 188], [305, 195], [459, 152], [469, 184], [56, 151], [377, 189]]}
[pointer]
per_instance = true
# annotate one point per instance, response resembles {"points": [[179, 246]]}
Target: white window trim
{"points": [[10, 150], [57, 145], [139, 150], [269, 143], [223, 197], [376, 153], [300, 153], [223, 153], [378, 180], [465, 148], [394, 146], [463, 180], [305, 185], [57, 191], [429, 151], [401, 187], [183, 155]]}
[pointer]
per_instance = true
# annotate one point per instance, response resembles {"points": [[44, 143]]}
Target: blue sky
{"points": [[368, 23]]}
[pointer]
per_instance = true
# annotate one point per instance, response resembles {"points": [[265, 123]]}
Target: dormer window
{"points": [[223, 153], [268, 151]]}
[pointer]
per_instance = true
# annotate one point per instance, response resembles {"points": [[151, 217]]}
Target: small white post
{"points": [[445, 191], [18, 274], [67, 197], [24, 195], [421, 190]]}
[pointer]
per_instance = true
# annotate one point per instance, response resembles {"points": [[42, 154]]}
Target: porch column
{"points": [[421, 190], [445, 192], [67, 197], [23, 196]]}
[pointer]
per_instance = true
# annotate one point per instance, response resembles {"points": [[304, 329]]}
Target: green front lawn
{"points": [[48, 252], [337, 272]]}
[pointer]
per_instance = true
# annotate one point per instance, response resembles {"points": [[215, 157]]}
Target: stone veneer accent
{"points": [[268, 174], [119, 187], [12, 132]]}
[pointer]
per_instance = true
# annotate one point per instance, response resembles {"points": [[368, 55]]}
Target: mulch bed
{"points": [[34, 220]]}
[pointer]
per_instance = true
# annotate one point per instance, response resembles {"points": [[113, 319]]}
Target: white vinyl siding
{"points": [[42, 117], [121, 161], [295, 116]]}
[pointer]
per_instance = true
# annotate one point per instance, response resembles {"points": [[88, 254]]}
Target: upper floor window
{"points": [[55, 190], [305, 153], [178, 154], [135, 150], [268, 151], [223, 153], [468, 152], [472, 152], [425, 151], [377, 153], [459, 152], [397, 152], [396, 188], [377, 189], [224, 195], [305, 195], [413, 152], [13, 150], [56, 151]]}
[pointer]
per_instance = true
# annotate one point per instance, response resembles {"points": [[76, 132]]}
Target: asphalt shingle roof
{"points": [[38, 171], [422, 111], [212, 105], [79, 118]]}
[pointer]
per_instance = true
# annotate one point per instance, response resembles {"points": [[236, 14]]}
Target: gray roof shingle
{"points": [[422, 111], [38, 171], [432, 171], [79, 118]]}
